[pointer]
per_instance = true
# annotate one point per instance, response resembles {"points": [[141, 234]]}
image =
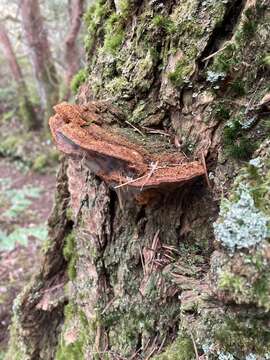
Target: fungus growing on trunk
{"points": [[116, 154]]}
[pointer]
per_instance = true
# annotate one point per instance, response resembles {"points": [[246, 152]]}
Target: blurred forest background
{"points": [[41, 63], [181, 272]]}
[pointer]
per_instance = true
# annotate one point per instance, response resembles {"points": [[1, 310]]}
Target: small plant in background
{"points": [[21, 236], [18, 200]]}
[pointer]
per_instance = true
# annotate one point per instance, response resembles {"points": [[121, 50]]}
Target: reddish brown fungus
{"points": [[90, 132]]}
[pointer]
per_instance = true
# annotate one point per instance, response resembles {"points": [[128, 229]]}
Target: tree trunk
{"points": [[27, 112], [72, 56], [153, 270], [40, 55]]}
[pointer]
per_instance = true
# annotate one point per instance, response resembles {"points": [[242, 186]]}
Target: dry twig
{"points": [[151, 172]]}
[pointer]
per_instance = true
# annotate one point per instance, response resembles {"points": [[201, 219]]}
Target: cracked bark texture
{"points": [[123, 280]]}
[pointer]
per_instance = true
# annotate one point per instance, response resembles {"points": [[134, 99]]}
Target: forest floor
{"points": [[26, 199]]}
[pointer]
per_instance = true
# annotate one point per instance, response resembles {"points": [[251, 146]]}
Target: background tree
{"points": [[26, 108], [126, 279], [72, 54], [40, 54]]}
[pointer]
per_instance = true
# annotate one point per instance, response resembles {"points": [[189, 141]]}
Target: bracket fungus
{"points": [[96, 133]]}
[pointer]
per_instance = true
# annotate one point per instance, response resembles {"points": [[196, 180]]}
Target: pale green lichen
{"points": [[241, 224], [225, 356]]}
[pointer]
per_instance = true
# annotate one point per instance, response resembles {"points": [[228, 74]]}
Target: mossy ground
{"points": [[28, 149]]}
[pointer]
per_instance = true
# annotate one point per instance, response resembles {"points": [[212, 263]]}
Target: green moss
{"points": [[7, 116], [239, 335], [182, 70], [43, 161], [76, 322], [78, 80], [40, 163], [236, 143], [245, 287], [8, 146], [188, 146], [181, 349], [125, 7], [238, 87], [144, 74], [232, 283], [164, 23], [54, 155], [113, 42], [26, 112], [221, 111], [46, 246], [224, 61], [115, 27], [114, 32], [236, 53], [125, 329], [242, 149], [78, 334], [69, 213], [117, 85], [70, 254], [15, 349], [249, 26], [130, 320], [266, 60], [94, 16]]}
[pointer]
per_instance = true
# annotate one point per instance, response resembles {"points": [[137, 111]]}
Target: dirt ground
{"points": [[18, 264]]}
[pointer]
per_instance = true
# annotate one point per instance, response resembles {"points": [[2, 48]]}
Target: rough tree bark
{"points": [[40, 55], [27, 112], [133, 278], [72, 56]]}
